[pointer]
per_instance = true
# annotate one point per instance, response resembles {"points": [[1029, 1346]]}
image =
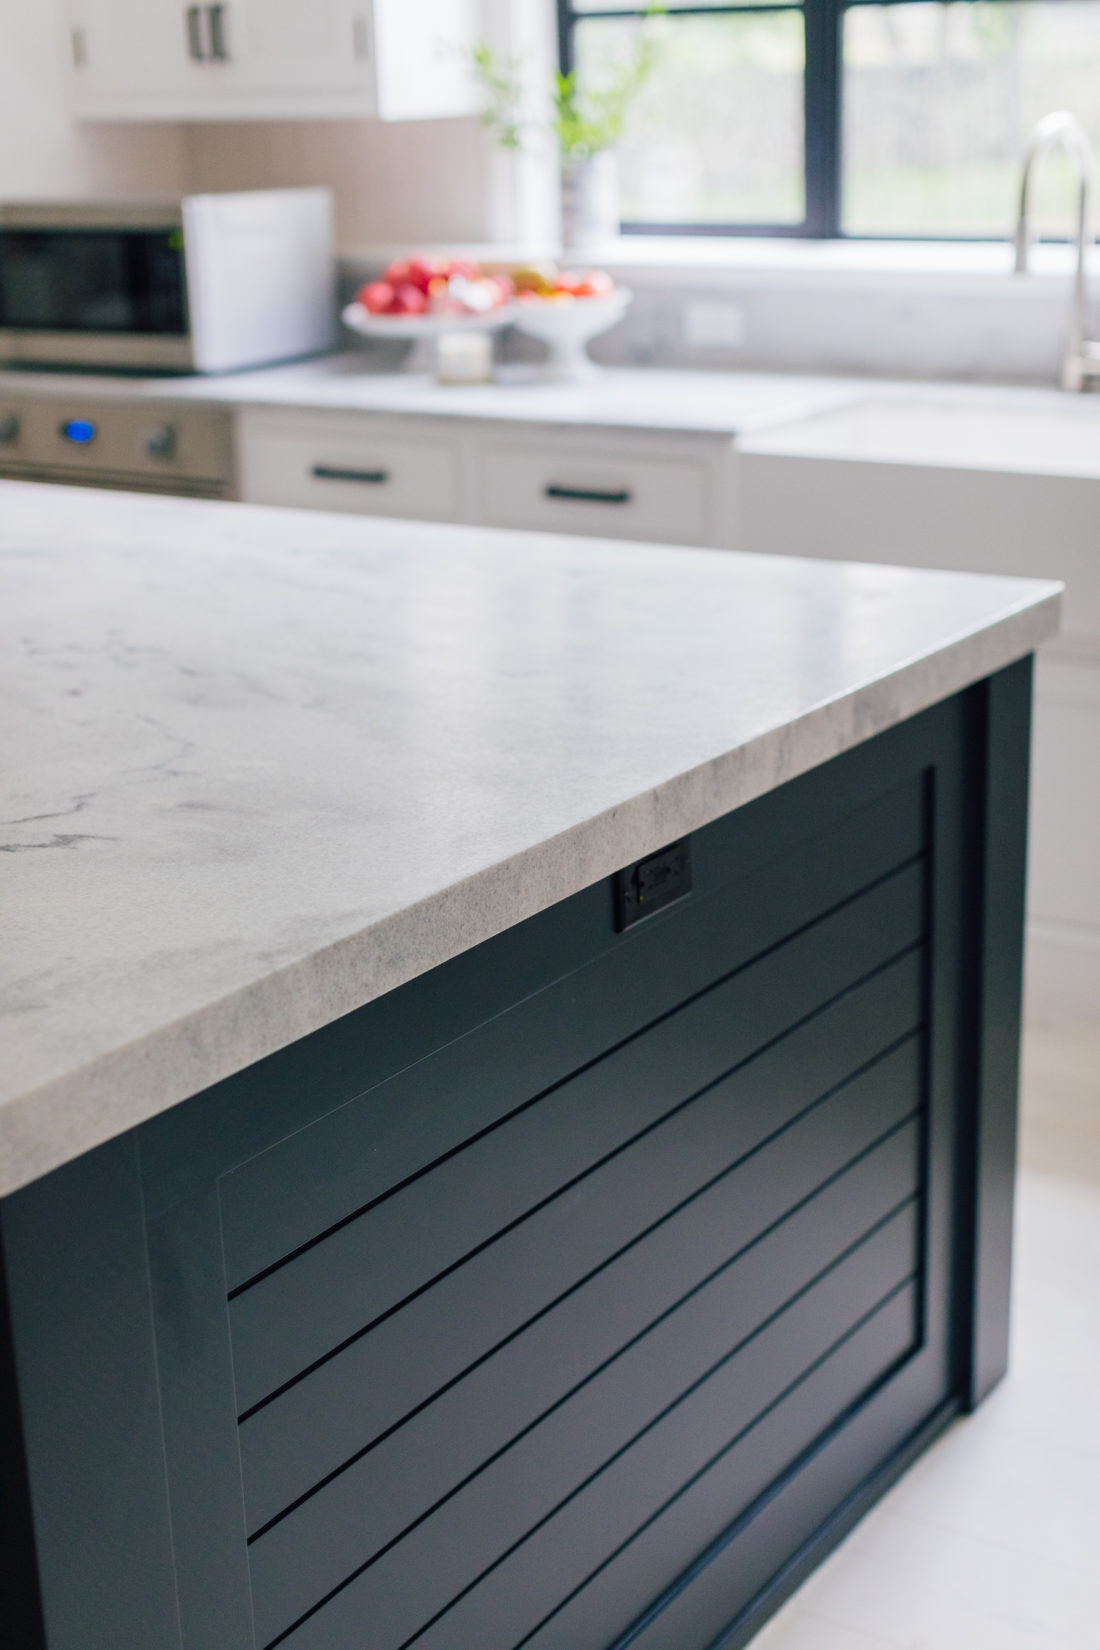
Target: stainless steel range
{"points": [[112, 441]]}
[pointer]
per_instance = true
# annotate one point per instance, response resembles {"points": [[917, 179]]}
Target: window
{"points": [[842, 117]]}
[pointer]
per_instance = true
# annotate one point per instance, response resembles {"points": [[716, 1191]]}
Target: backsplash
{"points": [[983, 325], [884, 324]]}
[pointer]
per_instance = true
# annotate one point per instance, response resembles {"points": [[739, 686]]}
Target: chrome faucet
{"points": [[1082, 357]]}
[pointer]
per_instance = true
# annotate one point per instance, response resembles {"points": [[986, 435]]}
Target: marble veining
{"points": [[260, 767]]}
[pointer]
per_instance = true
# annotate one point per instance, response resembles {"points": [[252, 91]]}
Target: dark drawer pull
{"points": [[330, 472], [590, 495]]}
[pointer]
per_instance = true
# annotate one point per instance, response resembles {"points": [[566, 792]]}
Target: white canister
{"points": [[464, 358]]}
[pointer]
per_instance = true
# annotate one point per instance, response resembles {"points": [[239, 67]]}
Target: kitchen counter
{"points": [[635, 399], [509, 1070], [264, 766], [662, 400]]}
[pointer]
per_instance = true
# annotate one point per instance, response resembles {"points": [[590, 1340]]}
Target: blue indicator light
{"points": [[79, 430]]}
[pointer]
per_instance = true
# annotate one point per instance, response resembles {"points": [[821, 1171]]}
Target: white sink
{"points": [[1054, 437]]}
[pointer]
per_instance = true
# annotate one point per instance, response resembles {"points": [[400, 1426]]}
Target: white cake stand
{"points": [[566, 325], [423, 330]]}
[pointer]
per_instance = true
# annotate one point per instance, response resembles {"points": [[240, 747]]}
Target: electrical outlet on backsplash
{"points": [[711, 324]]}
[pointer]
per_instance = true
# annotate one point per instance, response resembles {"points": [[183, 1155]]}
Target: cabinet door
{"points": [[287, 52], [423, 52], [569, 487], [348, 464], [139, 59]]}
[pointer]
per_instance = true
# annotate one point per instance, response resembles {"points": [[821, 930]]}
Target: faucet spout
{"points": [[1063, 130]]}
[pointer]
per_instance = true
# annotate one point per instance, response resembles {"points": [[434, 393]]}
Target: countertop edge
{"points": [[115, 1092]]}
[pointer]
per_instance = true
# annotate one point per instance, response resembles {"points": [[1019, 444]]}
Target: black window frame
{"points": [[823, 94]]}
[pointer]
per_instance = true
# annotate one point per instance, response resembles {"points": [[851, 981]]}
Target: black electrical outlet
{"points": [[652, 883]]}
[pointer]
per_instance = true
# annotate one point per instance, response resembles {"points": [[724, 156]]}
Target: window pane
{"points": [[939, 100], [715, 135]]}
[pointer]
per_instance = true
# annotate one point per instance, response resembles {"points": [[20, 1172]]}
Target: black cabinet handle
{"points": [[330, 472], [590, 495], [219, 51], [194, 34]]}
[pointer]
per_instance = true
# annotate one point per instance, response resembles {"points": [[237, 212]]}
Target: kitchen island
{"points": [[507, 1108]]}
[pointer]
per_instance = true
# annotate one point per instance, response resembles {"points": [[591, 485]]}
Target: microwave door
{"points": [[94, 296]]}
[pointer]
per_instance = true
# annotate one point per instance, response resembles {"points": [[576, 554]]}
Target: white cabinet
{"points": [[669, 489], [272, 59], [562, 486], [343, 461], [422, 54], [136, 58], [287, 50]]}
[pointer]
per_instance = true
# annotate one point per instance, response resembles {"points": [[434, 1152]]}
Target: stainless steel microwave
{"points": [[206, 283]]}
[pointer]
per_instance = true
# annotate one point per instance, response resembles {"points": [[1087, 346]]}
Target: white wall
{"points": [[43, 152], [416, 181]]}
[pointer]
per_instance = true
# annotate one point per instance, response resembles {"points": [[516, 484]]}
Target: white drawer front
{"points": [[579, 490], [318, 468]]}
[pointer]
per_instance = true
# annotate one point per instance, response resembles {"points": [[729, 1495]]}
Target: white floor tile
{"points": [[1032, 1494], [800, 1630], [992, 1540], [901, 1579]]}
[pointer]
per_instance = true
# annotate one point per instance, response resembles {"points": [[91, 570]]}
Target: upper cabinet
{"points": [[272, 59], [131, 57]]}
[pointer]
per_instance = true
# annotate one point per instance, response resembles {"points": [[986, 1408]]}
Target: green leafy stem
{"points": [[585, 119]]}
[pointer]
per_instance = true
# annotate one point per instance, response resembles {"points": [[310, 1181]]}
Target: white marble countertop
{"points": [[998, 426], [260, 767], [670, 402]]}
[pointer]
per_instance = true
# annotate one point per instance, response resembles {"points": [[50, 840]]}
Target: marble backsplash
{"points": [[976, 324]]}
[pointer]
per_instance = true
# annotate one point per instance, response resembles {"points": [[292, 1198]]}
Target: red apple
{"points": [[421, 272], [397, 273], [376, 297], [409, 300]]}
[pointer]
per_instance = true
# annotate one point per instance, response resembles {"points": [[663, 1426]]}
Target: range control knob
{"points": [[9, 429], [161, 441]]}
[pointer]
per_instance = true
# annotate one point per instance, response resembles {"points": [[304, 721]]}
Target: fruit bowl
{"points": [[422, 299], [423, 331], [415, 327], [566, 324]]}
